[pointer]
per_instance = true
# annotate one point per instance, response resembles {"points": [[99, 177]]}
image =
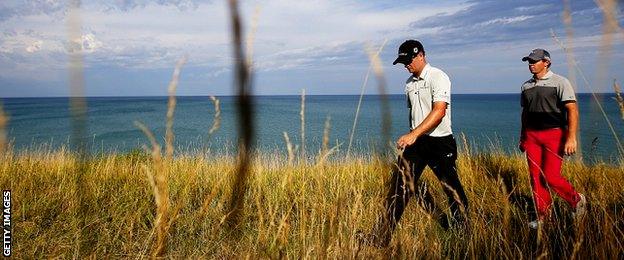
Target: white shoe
{"points": [[535, 224], [581, 207]]}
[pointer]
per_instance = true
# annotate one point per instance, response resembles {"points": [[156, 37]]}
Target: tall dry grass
{"points": [[569, 53], [303, 124], [357, 110], [616, 137], [245, 121], [295, 212], [216, 121], [325, 152], [386, 117], [158, 174], [159, 181], [618, 97], [171, 104], [78, 110]]}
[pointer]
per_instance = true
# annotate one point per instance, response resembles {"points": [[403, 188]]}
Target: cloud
{"points": [[87, 43], [507, 20], [126, 5], [34, 47]]}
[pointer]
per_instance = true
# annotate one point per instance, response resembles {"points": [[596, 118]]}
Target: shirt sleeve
{"points": [[441, 87], [565, 91]]}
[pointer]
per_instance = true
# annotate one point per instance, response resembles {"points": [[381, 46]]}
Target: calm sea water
{"points": [[485, 120]]}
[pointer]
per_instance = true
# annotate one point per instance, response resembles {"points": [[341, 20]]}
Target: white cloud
{"points": [[87, 43], [532, 8], [34, 47], [507, 20]]}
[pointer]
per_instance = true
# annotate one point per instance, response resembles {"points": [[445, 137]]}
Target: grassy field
{"points": [[290, 210]]}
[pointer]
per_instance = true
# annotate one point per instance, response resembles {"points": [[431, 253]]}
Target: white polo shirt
{"points": [[433, 85]]}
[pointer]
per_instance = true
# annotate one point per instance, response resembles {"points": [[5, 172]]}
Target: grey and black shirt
{"points": [[543, 101]]}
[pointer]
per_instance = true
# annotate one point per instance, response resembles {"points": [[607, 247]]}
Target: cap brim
{"points": [[402, 60], [529, 58], [532, 58]]}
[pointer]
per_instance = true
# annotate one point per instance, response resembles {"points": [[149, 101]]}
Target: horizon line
{"points": [[265, 95]]}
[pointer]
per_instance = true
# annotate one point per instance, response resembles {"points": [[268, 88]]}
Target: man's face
{"points": [[418, 63], [537, 66]]}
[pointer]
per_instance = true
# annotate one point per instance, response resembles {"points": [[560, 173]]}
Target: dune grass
{"points": [[296, 210]]}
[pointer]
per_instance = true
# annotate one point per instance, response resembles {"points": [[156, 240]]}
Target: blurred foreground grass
{"points": [[297, 210]]}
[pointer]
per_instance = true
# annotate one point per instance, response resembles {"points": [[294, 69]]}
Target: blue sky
{"points": [[131, 46]]}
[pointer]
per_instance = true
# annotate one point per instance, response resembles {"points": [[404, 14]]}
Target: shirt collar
{"points": [[423, 73], [546, 76]]}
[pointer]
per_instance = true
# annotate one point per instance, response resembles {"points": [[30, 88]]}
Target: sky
{"points": [[130, 47]]}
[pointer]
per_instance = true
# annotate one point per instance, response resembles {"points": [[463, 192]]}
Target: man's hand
{"points": [[407, 140], [431, 121], [570, 146]]}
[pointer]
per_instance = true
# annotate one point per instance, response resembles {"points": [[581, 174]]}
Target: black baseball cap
{"points": [[408, 50], [536, 55]]}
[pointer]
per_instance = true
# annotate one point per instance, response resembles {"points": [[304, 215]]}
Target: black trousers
{"points": [[440, 154]]}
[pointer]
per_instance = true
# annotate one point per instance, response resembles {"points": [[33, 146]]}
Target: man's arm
{"points": [[432, 120], [570, 143]]}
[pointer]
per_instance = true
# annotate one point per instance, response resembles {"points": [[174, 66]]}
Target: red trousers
{"points": [[544, 151]]}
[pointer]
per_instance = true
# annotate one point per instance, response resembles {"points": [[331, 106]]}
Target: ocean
{"points": [[488, 121]]}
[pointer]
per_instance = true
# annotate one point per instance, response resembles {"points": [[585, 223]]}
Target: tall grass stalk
{"points": [[289, 149], [596, 99], [325, 151], [159, 181], [610, 20], [357, 110], [245, 126], [326, 130], [386, 116], [302, 119], [171, 104], [78, 111], [216, 121], [77, 100], [610, 28], [618, 97], [251, 37], [569, 52]]}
